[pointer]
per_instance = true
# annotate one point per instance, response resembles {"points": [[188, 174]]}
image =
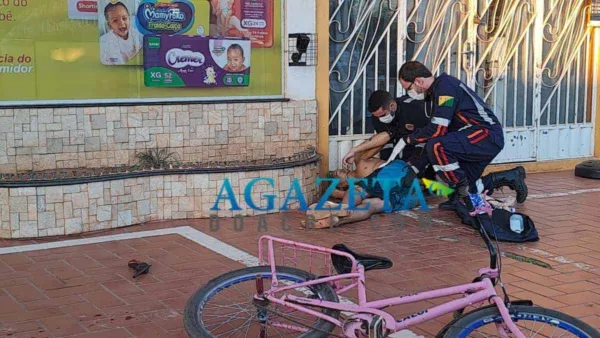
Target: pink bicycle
{"points": [[224, 308]]}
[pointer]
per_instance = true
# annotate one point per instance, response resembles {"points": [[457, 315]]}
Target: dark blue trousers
{"points": [[464, 155]]}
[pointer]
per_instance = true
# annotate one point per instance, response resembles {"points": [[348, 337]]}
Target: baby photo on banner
{"points": [[121, 43], [231, 55]]}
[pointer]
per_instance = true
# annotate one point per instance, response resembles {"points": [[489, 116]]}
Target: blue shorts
{"points": [[400, 176]]}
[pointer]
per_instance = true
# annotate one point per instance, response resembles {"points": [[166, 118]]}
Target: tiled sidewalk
{"points": [[88, 291]]}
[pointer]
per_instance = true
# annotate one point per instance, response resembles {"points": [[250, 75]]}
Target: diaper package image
{"points": [[196, 61], [252, 19], [123, 23]]}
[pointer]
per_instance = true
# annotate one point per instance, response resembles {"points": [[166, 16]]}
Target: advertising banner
{"points": [[82, 51], [183, 61]]}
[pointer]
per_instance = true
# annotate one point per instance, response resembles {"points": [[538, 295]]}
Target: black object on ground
{"points": [[139, 267], [588, 169]]}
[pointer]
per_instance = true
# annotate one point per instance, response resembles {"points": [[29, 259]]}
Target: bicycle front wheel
{"points": [[225, 307], [532, 321]]}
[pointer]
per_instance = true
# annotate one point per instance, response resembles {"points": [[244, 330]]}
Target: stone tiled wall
{"points": [[63, 210], [43, 139]]}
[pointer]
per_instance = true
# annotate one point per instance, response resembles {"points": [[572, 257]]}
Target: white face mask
{"points": [[387, 118], [417, 96]]}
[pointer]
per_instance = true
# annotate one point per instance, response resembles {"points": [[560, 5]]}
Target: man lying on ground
{"points": [[368, 197]]}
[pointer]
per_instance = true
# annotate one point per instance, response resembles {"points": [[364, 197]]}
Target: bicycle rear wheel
{"points": [[237, 315], [532, 321]]}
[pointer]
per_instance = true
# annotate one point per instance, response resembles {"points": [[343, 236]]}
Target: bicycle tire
{"points": [[465, 325], [195, 328]]}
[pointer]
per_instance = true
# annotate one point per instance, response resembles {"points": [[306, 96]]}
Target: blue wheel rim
{"points": [[231, 282], [524, 316]]}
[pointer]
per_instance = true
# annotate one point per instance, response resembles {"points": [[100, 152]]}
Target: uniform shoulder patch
{"points": [[446, 101]]}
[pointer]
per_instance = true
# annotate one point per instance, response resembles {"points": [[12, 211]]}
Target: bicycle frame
{"points": [[477, 292]]}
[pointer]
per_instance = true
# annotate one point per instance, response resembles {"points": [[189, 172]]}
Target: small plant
{"points": [[155, 158]]}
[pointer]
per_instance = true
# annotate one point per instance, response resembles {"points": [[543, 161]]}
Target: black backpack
{"points": [[498, 227]]}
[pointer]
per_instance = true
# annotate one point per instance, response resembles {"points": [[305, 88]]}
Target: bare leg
{"points": [[375, 206], [341, 211], [357, 196]]}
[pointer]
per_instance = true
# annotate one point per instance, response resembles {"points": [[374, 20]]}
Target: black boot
{"points": [[449, 204], [513, 179], [460, 194]]}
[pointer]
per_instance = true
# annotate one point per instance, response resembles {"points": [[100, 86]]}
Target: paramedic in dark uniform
{"points": [[463, 137], [397, 113]]}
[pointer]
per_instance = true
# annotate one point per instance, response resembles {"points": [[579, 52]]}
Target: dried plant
{"points": [[155, 158]]}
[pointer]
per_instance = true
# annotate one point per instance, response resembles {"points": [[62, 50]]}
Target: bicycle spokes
{"points": [[242, 310], [261, 303]]}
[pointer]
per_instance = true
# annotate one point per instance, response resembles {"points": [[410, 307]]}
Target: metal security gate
{"points": [[531, 60]]}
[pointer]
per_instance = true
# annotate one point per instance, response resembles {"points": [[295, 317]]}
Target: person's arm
{"points": [[369, 153], [376, 141], [394, 133], [445, 101]]}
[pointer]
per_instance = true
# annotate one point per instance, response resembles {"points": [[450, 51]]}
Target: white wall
{"points": [[300, 18]]}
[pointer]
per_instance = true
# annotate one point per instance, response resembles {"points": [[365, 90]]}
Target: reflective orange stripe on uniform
{"points": [[462, 118], [484, 133], [475, 133], [440, 156], [440, 131]]}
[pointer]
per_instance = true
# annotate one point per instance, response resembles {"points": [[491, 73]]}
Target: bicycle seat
{"points": [[343, 265]]}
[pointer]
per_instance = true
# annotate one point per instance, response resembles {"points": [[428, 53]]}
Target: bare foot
{"points": [[327, 222], [320, 214], [330, 221]]}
